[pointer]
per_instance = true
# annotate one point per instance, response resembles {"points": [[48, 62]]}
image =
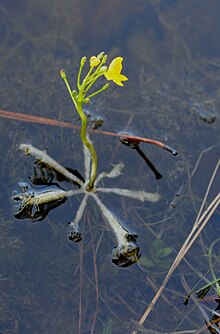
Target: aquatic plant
{"points": [[158, 257], [80, 97], [36, 204]]}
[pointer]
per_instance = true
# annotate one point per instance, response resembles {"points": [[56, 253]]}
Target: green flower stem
{"points": [[96, 74], [63, 76], [98, 91], [78, 102], [85, 80], [92, 81], [89, 78], [82, 63]]}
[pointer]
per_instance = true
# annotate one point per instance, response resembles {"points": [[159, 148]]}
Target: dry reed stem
{"points": [[95, 275], [199, 224], [208, 323]]}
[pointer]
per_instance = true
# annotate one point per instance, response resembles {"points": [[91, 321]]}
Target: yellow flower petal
{"points": [[114, 71], [119, 78], [116, 65], [108, 75]]}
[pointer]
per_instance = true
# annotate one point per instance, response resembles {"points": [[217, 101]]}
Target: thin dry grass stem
{"points": [[80, 288], [187, 288], [95, 276], [142, 221], [176, 308], [204, 220], [207, 191], [199, 224], [190, 175], [99, 242], [200, 158], [106, 302], [201, 330], [155, 288], [204, 328], [126, 305], [150, 331]]}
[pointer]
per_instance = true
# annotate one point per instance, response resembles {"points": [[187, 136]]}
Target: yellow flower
{"points": [[114, 72], [94, 61]]}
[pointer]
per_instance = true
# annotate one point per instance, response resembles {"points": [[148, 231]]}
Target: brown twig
{"points": [[53, 122]]}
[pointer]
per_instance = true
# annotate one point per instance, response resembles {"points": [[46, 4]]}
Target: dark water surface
{"points": [[171, 57]]}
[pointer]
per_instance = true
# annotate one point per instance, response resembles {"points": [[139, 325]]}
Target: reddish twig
{"points": [[49, 121]]}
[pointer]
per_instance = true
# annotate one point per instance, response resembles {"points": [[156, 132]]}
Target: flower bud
{"points": [[83, 60], [101, 55], [63, 74], [94, 61], [104, 59], [103, 69]]}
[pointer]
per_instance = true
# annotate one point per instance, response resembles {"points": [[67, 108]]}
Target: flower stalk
{"points": [[95, 71], [78, 100]]}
